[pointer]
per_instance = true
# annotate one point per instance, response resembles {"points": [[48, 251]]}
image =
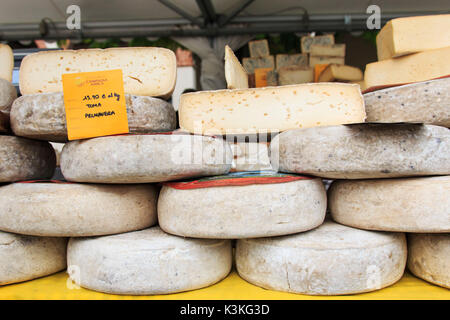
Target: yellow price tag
{"points": [[95, 104]]}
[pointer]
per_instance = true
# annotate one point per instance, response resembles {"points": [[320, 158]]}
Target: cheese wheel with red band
{"points": [[363, 151], [144, 158], [25, 257], [43, 116], [429, 257], [76, 210], [147, 262], [25, 159], [405, 205], [330, 260], [229, 208]]}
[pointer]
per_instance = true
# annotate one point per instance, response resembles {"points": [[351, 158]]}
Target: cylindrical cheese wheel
{"points": [[147, 262], [255, 210], [364, 151], [405, 205], [75, 210], [7, 95], [423, 102], [144, 158], [429, 257], [43, 116], [330, 260], [24, 258], [24, 159]]}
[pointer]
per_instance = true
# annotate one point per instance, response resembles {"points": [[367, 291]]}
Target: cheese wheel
{"points": [[43, 116], [330, 260], [25, 257], [8, 94], [363, 151], [147, 71], [76, 210], [429, 257], [144, 158], [6, 62], [405, 205], [255, 210], [423, 102], [147, 262], [25, 159]]}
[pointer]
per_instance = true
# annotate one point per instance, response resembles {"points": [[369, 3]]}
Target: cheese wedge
{"points": [[259, 48], [146, 71], [402, 36], [235, 74], [295, 75], [411, 68], [330, 50], [6, 62], [307, 41], [336, 72], [314, 60], [271, 109]]}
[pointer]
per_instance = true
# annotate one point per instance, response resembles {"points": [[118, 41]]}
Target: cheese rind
{"points": [[144, 158], [415, 67], [76, 210], [233, 212], [43, 116], [25, 257], [429, 257], [25, 159], [307, 41], [235, 74], [423, 102], [259, 48], [314, 60], [330, 50], [147, 71], [8, 94], [329, 260], [407, 35], [404, 205], [363, 151], [270, 109], [6, 62], [336, 72], [295, 75], [148, 262]]}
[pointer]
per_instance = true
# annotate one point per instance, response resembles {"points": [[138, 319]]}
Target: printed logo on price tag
{"points": [[95, 104]]}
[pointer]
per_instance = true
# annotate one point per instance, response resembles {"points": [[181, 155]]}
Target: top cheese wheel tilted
{"points": [[415, 67], [271, 109], [363, 151], [406, 35], [146, 71], [6, 62]]}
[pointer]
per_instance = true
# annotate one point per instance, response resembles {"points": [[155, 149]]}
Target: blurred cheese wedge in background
{"points": [[6, 62], [235, 74], [407, 35], [336, 72]]}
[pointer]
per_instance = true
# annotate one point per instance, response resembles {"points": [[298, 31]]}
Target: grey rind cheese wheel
{"points": [[144, 158], [43, 116], [25, 159], [363, 151], [25, 257], [429, 257], [256, 210], [405, 205], [7, 95], [330, 260], [423, 102], [75, 210], [147, 262]]}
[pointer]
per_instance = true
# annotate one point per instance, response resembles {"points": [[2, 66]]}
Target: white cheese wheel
{"points": [[330, 260], [43, 116], [147, 262], [147, 71], [144, 158], [363, 151], [8, 94], [405, 205], [76, 210], [255, 210], [423, 102], [25, 159], [429, 257], [25, 257]]}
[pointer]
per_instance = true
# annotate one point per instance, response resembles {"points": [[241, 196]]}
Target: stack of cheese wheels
{"points": [[7, 91]]}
